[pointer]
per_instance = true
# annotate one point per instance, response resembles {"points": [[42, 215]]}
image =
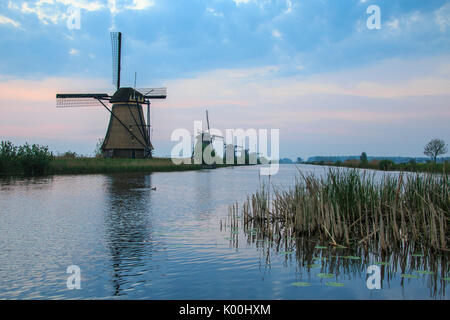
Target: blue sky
{"points": [[310, 68]]}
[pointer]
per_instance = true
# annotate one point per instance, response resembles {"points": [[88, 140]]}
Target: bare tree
{"points": [[98, 152], [435, 148]]}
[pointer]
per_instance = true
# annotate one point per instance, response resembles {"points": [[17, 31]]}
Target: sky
{"points": [[311, 68]]}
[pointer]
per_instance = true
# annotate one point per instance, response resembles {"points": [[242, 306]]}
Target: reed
{"points": [[345, 207]]}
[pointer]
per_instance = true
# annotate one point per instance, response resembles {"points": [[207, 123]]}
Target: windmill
{"points": [[205, 139], [128, 134]]}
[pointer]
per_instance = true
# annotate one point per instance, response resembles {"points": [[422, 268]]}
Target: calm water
{"points": [[134, 243]]}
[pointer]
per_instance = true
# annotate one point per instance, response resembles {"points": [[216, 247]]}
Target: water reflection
{"points": [[8, 183], [339, 265], [128, 227], [202, 193], [131, 242]]}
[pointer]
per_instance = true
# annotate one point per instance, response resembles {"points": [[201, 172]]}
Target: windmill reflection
{"points": [[128, 227]]}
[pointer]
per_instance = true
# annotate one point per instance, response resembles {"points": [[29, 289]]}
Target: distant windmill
{"points": [[128, 135], [205, 139]]}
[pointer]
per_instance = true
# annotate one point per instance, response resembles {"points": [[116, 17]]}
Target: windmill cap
{"points": [[127, 95]]}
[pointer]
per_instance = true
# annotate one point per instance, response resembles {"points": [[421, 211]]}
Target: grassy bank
{"points": [[94, 165], [388, 165], [37, 160], [62, 165], [348, 207]]}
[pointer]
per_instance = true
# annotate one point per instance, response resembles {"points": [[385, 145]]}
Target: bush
{"points": [[385, 165], [68, 155], [351, 163], [8, 156], [26, 159], [34, 159]]}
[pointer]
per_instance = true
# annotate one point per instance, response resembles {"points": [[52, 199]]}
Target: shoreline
{"points": [[391, 167], [75, 166]]}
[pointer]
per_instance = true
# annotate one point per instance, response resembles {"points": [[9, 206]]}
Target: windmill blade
{"points": [[153, 93], [116, 43], [213, 137], [80, 100], [207, 119]]}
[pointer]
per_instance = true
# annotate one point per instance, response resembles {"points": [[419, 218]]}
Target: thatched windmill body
{"points": [[128, 134]]}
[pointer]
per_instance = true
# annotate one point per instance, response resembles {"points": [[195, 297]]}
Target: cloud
{"points": [[289, 7], [263, 86], [356, 104], [28, 112], [141, 4], [238, 2], [276, 33], [6, 20], [214, 12], [56, 11], [443, 17], [394, 24], [53, 11]]}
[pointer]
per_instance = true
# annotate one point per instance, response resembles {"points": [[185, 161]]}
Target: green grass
{"points": [[35, 160], [387, 165], [94, 165]]}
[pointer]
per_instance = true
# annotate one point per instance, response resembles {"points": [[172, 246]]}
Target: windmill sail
{"points": [[80, 100], [153, 93], [116, 42]]}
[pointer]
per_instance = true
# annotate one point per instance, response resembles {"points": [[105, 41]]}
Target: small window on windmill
{"points": [[130, 128]]}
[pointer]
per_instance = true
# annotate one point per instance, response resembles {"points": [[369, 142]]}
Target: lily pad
{"points": [[319, 259], [352, 257], [425, 272], [446, 279], [313, 266], [321, 247], [417, 255], [409, 276], [335, 284], [301, 284], [381, 263], [325, 275]]}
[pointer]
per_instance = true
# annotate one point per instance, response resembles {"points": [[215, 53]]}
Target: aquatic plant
{"points": [[348, 205]]}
